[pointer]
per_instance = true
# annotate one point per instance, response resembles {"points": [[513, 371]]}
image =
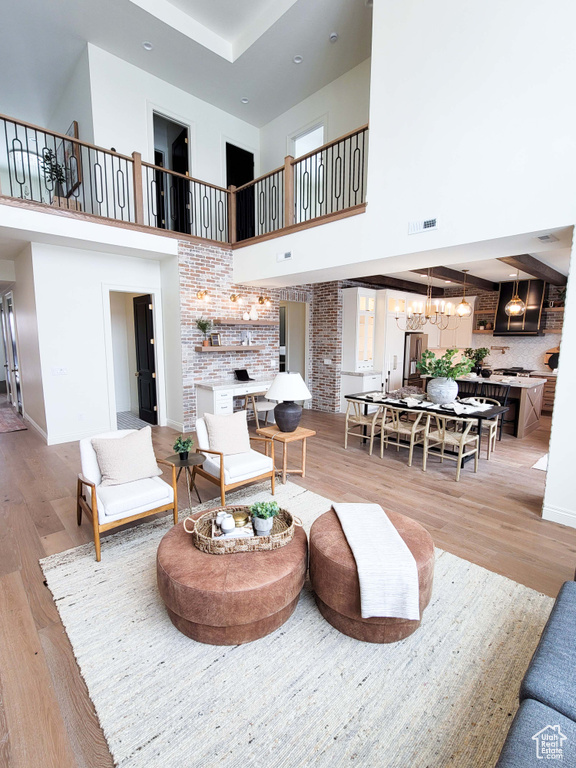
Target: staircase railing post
{"points": [[138, 187], [288, 191], [232, 214]]}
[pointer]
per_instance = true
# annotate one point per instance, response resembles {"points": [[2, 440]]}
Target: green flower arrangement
{"points": [[443, 367], [476, 355], [264, 509], [183, 444]]}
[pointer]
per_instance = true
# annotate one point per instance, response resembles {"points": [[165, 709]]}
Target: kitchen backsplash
{"points": [[524, 352]]}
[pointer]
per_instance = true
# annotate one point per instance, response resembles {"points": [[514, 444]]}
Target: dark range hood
{"points": [[532, 294]]}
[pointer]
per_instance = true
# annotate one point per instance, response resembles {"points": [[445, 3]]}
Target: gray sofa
{"points": [[544, 728]]}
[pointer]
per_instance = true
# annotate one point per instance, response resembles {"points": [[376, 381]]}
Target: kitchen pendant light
{"points": [[464, 309], [515, 307]]}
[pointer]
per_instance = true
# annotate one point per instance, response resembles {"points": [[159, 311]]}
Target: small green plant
{"points": [[476, 355], [443, 367], [204, 325], [183, 444], [264, 509], [53, 170]]}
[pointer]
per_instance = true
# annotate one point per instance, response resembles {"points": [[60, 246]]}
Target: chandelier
{"points": [[515, 307], [434, 311], [464, 309]]}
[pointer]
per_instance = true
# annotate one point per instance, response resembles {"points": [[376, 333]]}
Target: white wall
{"points": [[172, 343], [123, 350], [124, 98], [342, 105], [75, 102]]}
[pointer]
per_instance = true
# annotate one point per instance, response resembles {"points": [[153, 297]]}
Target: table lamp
{"points": [[288, 387]]}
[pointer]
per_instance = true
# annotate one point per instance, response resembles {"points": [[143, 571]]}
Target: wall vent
{"points": [[548, 239], [286, 256], [415, 227]]}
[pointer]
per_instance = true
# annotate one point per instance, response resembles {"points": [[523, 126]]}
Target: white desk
{"points": [[218, 396]]}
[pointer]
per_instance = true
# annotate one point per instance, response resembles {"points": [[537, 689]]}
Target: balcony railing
{"points": [[64, 172]]}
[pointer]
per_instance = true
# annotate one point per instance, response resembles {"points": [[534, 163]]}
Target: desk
{"points": [[218, 396], [300, 433]]}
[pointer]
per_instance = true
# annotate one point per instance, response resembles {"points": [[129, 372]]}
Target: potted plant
{"points": [[263, 514], [204, 325], [482, 325], [182, 446], [54, 172], [477, 356], [443, 388]]}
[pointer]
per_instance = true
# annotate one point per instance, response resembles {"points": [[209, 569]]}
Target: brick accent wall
{"points": [[327, 332]]}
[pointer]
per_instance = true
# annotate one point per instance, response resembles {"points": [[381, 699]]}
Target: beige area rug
{"points": [[306, 695], [10, 421]]}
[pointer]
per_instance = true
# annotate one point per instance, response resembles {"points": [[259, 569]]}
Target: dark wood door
{"points": [[179, 187], [145, 360], [239, 171]]}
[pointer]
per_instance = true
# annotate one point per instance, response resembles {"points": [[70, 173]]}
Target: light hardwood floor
{"points": [[46, 717]]}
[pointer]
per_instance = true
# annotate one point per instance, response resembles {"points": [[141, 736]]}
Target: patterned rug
{"points": [[306, 695], [10, 421]]}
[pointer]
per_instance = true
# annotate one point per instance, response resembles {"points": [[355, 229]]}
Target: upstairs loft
{"points": [[61, 174]]}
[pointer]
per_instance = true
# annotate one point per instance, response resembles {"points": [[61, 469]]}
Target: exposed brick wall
{"points": [[326, 323]]}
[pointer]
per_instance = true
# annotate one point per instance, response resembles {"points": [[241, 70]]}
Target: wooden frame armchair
{"points": [[238, 469], [150, 496]]}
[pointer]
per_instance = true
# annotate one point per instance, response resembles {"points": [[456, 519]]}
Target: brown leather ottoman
{"points": [[229, 599], [335, 579]]}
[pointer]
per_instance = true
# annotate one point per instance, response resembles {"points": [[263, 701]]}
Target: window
{"points": [[308, 142]]}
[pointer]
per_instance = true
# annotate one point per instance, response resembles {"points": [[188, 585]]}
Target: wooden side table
{"points": [[300, 433], [192, 460]]}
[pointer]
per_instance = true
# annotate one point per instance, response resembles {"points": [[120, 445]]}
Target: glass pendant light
{"points": [[464, 309], [515, 307]]}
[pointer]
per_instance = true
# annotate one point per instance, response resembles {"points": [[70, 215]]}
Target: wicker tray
{"points": [[282, 533]]}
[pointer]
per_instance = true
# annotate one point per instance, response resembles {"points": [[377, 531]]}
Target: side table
{"points": [[193, 460], [300, 433]]}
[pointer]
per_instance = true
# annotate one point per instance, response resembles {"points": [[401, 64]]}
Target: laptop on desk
{"points": [[242, 375]]}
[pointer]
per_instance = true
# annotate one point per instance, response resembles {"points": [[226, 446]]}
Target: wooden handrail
{"points": [[260, 178], [184, 176], [64, 137], [330, 144]]}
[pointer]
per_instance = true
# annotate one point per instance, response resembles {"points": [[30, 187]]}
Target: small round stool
{"points": [[335, 579], [229, 599]]}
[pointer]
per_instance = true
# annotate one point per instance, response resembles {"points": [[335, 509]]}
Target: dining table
{"points": [[379, 399]]}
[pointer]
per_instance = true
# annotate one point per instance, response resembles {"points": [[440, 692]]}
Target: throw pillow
{"points": [[228, 434], [126, 459]]}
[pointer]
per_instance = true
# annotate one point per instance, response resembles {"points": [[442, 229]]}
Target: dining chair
{"points": [[404, 423], [259, 407], [490, 426], [355, 418], [468, 388], [443, 431], [499, 393]]}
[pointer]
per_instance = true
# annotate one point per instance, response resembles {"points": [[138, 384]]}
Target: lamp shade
{"points": [[288, 386]]}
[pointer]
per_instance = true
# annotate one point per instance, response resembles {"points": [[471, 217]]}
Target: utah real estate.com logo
{"points": [[549, 743]]}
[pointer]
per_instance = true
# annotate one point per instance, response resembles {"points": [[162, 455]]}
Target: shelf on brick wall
{"points": [[234, 348], [553, 309], [492, 331], [234, 321]]}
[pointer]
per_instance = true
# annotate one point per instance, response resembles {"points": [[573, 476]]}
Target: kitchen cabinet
{"points": [[549, 391], [352, 383], [358, 329], [461, 336]]}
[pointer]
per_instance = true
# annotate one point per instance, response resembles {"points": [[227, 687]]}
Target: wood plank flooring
{"points": [[46, 717]]}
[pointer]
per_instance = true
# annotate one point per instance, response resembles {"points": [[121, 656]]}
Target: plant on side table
{"points": [[205, 326], [263, 514], [442, 387], [182, 446]]}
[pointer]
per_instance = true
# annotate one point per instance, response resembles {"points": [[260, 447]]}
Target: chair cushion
{"points": [[241, 466], [228, 434], [118, 501], [126, 459]]}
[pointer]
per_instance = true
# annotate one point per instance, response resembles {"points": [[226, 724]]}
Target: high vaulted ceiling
{"points": [[219, 50]]}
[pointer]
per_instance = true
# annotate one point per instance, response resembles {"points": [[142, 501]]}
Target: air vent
{"points": [[286, 256], [416, 227], [548, 239]]}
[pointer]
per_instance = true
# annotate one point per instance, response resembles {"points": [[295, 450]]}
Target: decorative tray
{"points": [[282, 533]]}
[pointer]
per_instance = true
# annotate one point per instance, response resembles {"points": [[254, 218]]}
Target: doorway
{"points": [[240, 171], [171, 151], [11, 364], [294, 337], [133, 351]]}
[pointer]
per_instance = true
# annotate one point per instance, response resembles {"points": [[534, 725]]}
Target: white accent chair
{"points": [[114, 505], [232, 471]]}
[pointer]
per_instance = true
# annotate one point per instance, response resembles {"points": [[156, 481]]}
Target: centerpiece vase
{"points": [[442, 391]]}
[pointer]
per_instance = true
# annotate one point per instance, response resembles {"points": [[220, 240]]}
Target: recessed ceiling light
{"points": [[512, 274], [298, 59], [447, 281], [244, 100], [333, 37], [147, 45]]}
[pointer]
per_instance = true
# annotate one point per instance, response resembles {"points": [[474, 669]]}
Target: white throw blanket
{"points": [[387, 570]]}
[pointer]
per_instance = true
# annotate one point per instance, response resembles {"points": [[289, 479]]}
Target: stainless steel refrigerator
{"points": [[414, 345]]}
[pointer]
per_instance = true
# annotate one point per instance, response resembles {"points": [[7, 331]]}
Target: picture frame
{"points": [[68, 155], [215, 340]]}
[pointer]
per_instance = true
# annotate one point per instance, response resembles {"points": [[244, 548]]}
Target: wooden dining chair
{"points": [[491, 426], [406, 425], [355, 418], [259, 407], [454, 432]]}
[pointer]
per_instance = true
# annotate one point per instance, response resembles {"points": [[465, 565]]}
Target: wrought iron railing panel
{"points": [[260, 206]]}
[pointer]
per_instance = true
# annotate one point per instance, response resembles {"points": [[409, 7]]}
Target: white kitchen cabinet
{"points": [[393, 371], [461, 336], [352, 383], [358, 329]]}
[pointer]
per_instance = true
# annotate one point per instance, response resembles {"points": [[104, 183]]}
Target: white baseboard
{"points": [[177, 425], [559, 515], [35, 426]]}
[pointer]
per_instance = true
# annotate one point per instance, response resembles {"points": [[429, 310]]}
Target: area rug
{"points": [[542, 463], [306, 695], [9, 420]]}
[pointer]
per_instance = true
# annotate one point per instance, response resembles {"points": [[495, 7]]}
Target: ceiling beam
{"points": [[526, 263], [385, 281], [445, 273]]}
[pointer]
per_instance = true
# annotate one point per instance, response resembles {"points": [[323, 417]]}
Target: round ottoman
{"points": [[335, 579], [229, 599]]}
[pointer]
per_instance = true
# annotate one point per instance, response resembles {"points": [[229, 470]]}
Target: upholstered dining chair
{"points": [[112, 504], [355, 418], [455, 433], [406, 425], [229, 463]]}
